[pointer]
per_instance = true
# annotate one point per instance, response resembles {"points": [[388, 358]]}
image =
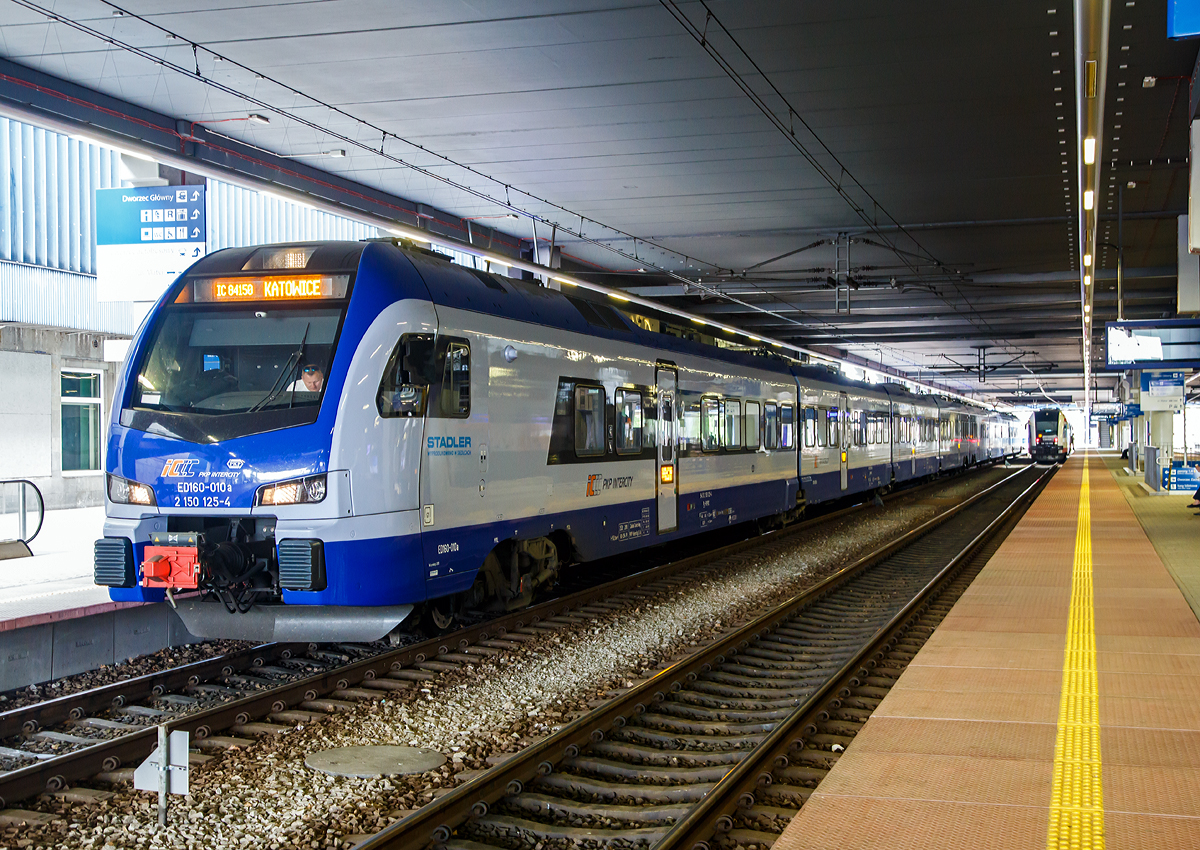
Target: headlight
{"points": [[122, 491], [295, 492]]}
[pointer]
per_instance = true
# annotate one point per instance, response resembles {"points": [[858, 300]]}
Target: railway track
{"points": [[724, 746], [51, 745]]}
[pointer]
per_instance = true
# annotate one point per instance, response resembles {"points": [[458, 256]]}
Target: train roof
{"points": [[452, 285]]}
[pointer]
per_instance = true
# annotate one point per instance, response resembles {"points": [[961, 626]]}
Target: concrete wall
{"points": [[31, 360], [39, 653]]}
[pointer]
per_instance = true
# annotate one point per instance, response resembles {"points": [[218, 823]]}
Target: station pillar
{"points": [[1162, 437]]}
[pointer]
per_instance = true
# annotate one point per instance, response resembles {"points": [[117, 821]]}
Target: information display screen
{"points": [[281, 288], [1155, 344]]}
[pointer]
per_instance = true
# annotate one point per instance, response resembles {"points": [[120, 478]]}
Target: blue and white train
{"points": [[326, 438]]}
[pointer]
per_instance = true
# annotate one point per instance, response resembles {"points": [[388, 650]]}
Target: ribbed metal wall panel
{"points": [[48, 228], [47, 215], [239, 217], [38, 295]]}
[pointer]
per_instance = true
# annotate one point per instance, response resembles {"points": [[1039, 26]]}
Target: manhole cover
{"points": [[369, 762]]}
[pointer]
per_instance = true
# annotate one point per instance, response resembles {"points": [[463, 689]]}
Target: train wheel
{"points": [[438, 616]]}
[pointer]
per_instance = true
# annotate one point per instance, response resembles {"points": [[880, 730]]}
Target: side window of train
{"points": [[810, 427], [456, 379], [628, 407], [753, 435], [834, 423], [589, 421], [771, 425], [406, 380], [710, 425], [787, 426], [731, 423]]}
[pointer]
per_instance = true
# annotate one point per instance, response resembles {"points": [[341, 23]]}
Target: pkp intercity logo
{"points": [[179, 467]]}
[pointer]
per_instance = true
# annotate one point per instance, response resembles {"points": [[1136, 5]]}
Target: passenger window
{"points": [[731, 416], [835, 432], [810, 427], [710, 425], [406, 379], [771, 425], [753, 440], [589, 421], [456, 381], [822, 427], [786, 426], [628, 408]]}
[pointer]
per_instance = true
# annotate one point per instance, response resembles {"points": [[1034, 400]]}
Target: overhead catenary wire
{"points": [[477, 193], [839, 181], [292, 115]]}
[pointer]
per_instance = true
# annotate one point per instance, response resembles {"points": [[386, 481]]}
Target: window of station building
{"points": [[589, 421], [787, 426], [731, 422], [771, 425], [710, 425], [753, 435], [80, 413], [628, 407], [810, 427]]}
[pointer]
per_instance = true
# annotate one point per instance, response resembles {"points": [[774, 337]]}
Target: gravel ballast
{"points": [[264, 796]]}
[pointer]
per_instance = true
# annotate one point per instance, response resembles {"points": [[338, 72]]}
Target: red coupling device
{"points": [[175, 566]]}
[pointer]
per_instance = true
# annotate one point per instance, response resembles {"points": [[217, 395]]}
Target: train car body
{"points": [[1050, 436], [322, 439]]}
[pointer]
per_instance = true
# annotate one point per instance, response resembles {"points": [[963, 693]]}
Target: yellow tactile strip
{"points": [[947, 758], [1076, 793]]}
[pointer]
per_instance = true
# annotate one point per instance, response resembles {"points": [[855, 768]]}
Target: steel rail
{"points": [[435, 823], [56, 773], [737, 790]]}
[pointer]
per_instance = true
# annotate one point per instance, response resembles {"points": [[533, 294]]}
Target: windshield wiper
{"points": [[277, 387]]}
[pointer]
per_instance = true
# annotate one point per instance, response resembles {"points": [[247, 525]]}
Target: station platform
{"points": [[55, 621], [57, 582], [1058, 704]]}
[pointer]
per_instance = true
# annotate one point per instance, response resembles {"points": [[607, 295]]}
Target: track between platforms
{"points": [[289, 683], [730, 740]]}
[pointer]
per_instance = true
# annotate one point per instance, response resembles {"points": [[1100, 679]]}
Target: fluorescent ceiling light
{"points": [[1089, 151], [1087, 280], [1089, 199], [1087, 260]]}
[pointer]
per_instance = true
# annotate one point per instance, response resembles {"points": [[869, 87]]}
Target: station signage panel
{"points": [[1156, 344], [1162, 390], [145, 238]]}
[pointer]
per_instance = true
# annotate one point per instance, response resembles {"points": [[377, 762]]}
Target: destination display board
{"points": [[1154, 344]]}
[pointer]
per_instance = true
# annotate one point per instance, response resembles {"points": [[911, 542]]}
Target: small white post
{"points": [[164, 772]]}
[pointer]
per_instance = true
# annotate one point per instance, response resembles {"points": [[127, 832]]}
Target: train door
{"points": [[911, 431], [668, 456], [454, 463], [844, 440]]}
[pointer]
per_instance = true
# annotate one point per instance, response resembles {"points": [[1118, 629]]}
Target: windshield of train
{"points": [[1046, 423], [232, 348]]}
